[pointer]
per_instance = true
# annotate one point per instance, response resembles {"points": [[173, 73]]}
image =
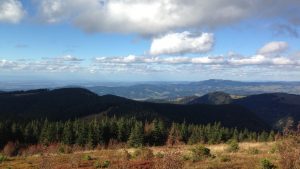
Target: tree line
{"points": [[133, 132]]}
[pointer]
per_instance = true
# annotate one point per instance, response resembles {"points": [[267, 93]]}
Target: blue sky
{"points": [[172, 40]]}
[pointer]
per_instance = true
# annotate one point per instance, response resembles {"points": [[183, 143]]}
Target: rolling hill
{"points": [[171, 91], [71, 103], [215, 98]]}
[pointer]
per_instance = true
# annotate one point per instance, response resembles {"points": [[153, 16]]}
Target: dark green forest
{"points": [[128, 131]]}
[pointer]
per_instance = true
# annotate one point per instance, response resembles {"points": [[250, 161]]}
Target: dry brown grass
{"points": [[170, 157]]}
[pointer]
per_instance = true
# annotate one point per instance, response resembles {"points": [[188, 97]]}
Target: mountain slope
{"points": [[274, 107], [68, 103], [215, 98]]}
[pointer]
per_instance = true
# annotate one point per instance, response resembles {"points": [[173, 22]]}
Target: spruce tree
{"points": [[136, 138], [68, 133]]}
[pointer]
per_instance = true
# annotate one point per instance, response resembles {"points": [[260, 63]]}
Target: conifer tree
{"points": [[68, 133], [136, 138], [173, 137]]}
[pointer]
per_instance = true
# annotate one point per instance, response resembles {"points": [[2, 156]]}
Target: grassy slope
{"points": [[241, 159]]}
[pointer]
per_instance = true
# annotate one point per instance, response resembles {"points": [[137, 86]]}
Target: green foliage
{"points": [[266, 164], [274, 149], [2, 158], [136, 138], [97, 164], [105, 164], [233, 146], [158, 133], [136, 153], [87, 157], [200, 152], [61, 149], [124, 130]]}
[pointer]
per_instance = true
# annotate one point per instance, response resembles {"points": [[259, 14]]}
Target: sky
{"points": [[149, 40]]}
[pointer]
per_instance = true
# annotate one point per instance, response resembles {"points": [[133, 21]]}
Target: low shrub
{"points": [[61, 149], [2, 158], [105, 164], [233, 146], [97, 164], [87, 157], [266, 164], [199, 152]]}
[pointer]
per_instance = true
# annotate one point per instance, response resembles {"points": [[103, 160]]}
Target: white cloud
{"points": [[11, 11], [150, 64], [157, 16], [181, 43], [69, 58], [253, 60], [275, 47], [256, 60]]}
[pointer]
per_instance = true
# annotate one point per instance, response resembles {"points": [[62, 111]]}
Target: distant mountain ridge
{"points": [[273, 108], [72, 103], [171, 91]]}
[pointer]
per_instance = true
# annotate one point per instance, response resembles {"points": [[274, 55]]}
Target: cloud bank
{"points": [[159, 16], [11, 11]]}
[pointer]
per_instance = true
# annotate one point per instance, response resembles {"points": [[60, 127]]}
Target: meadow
{"points": [[247, 155]]}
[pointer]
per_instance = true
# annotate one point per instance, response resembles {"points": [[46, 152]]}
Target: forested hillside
{"points": [[73, 103]]}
